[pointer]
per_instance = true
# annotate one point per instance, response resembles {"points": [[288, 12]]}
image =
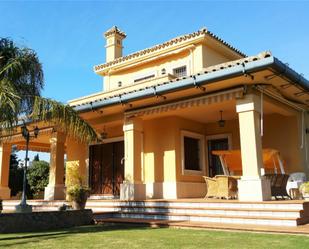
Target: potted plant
{"points": [[78, 195], [304, 189]]}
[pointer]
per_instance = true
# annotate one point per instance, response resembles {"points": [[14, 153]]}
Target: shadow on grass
{"points": [[24, 238]]}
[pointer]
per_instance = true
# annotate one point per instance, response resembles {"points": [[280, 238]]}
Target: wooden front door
{"points": [[214, 163], [106, 168]]}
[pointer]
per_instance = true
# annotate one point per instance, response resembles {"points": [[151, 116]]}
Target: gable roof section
{"points": [[174, 41], [218, 72]]}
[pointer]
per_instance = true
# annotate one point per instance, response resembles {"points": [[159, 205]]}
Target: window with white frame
{"points": [[180, 71], [193, 152]]}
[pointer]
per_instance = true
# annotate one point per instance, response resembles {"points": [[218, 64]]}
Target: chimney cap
{"points": [[115, 30]]}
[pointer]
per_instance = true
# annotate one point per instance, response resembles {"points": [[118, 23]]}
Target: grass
{"points": [[99, 236]]}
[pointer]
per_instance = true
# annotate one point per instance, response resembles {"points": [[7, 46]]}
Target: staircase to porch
{"points": [[270, 213]]}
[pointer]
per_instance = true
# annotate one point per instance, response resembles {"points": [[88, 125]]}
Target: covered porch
{"points": [[62, 150], [170, 145]]}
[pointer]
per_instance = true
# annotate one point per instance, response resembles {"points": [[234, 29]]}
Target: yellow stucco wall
{"points": [[127, 76], [162, 144], [212, 57], [195, 58], [159, 150], [78, 153], [282, 133]]}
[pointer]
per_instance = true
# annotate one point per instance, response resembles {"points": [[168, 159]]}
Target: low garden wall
{"points": [[39, 221]]}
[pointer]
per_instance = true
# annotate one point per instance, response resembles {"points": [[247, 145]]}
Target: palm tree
{"points": [[21, 82]]}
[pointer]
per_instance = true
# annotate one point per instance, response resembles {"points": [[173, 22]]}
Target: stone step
{"points": [[169, 204], [279, 213], [269, 221], [205, 211]]}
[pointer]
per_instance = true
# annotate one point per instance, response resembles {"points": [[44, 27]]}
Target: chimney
{"points": [[114, 37]]}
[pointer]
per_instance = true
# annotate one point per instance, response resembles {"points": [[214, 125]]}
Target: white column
{"points": [[252, 186], [133, 188], [56, 189], [5, 153]]}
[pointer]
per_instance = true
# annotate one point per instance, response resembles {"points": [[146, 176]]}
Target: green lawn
{"points": [[139, 237]]}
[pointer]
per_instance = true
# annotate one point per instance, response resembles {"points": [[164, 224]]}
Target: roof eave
{"points": [[203, 79]]}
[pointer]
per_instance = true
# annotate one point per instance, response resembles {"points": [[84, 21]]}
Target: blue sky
{"points": [[67, 35]]}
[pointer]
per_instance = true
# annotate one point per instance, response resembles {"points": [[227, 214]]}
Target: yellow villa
{"points": [[164, 110]]}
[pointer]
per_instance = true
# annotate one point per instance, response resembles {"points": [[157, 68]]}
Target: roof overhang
{"points": [[272, 68]]}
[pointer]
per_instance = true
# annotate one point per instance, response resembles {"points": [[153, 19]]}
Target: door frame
{"points": [[106, 141], [110, 140], [215, 137]]}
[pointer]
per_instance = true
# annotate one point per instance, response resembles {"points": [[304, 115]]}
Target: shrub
{"points": [[37, 176], [78, 193]]}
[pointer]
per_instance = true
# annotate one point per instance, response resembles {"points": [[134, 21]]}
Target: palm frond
{"points": [[64, 116], [9, 105], [21, 66]]}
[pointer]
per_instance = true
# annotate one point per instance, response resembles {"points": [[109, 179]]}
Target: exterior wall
{"points": [[283, 133], [195, 58], [114, 131], [305, 151], [161, 161], [127, 76], [162, 149], [162, 164], [212, 57], [159, 154], [78, 153]]}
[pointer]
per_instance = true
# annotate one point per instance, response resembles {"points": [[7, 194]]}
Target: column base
{"points": [[56, 192], [254, 189], [23, 208], [132, 191], [5, 193]]}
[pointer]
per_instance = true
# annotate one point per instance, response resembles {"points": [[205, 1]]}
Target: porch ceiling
{"points": [[39, 144]]}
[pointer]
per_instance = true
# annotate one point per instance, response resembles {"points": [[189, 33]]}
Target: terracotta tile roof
{"points": [[207, 70], [163, 45], [224, 65]]}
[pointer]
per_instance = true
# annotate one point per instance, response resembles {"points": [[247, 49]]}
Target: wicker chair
{"points": [[227, 187], [211, 187]]}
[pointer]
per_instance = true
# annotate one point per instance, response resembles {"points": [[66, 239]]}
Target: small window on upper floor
{"points": [[180, 71]]}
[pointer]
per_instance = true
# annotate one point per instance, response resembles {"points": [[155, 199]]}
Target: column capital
{"points": [[133, 124], [57, 137], [250, 102]]}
